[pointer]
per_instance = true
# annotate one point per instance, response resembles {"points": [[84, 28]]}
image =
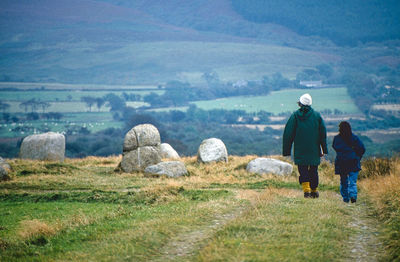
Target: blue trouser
{"points": [[348, 186], [309, 174]]}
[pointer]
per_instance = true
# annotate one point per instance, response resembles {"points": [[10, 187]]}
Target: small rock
{"points": [[167, 151], [269, 166], [169, 168], [212, 150]]}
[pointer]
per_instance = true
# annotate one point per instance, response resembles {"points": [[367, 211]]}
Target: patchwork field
{"points": [[84, 210], [286, 101], [93, 122], [78, 113], [70, 107], [66, 96], [283, 101]]}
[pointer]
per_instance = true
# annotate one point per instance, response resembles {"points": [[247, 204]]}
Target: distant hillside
{"points": [[151, 42], [342, 21], [124, 42]]}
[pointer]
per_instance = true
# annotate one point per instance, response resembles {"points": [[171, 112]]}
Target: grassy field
{"points": [[286, 100], [63, 86], [94, 121], [83, 210], [69, 107], [281, 101]]}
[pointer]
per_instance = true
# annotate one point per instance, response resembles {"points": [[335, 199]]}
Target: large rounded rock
{"points": [[140, 158], [141, 135], [167, 151], [48, 146], [212, 150], [170, 169], [269, 166]]}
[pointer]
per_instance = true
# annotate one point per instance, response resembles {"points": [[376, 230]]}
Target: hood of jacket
{"points": [[304, 112]]}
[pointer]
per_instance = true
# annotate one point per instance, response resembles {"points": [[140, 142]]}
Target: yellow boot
{"points": [[306, 189]]}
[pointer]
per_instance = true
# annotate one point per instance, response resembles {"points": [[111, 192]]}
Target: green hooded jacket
{"points": [[306, 129]]}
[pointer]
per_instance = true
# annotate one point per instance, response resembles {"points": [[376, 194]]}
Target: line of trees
{"points": [[34, 105]]}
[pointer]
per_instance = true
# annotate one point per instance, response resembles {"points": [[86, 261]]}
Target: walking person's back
{"points": [[349, 151], [306, 130]]}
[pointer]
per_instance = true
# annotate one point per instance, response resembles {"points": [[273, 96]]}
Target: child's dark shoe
{"points": [[315, 194], [353, 200]]}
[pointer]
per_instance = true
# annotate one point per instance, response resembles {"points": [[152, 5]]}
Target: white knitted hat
{"points": [[306, 100]]}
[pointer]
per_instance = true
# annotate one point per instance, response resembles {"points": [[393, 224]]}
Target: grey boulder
{"points": [[269, 166], [169, 168], [212, 150], [140, 158], [5, 165], [3, 174], [48, 146], [167, 151], [141, 135]]}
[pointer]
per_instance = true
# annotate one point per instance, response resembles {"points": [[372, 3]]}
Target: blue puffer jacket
{"points": [[348, 157]]}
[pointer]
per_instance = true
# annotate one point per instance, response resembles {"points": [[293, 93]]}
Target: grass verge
{"points": [[383, 189]]}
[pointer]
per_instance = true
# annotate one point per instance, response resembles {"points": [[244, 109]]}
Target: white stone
{"points": [[269, 166], [48, 146], [212, 150], [167, 151], [169, 168]]}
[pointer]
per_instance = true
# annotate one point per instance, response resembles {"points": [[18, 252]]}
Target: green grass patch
{"points": [[135, 197], [111, 232]]}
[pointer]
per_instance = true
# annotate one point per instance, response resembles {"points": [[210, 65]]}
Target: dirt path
{"points": [[364, 244], [187, 243]]}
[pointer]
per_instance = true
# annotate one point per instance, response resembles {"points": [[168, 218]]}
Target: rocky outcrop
{"points": [[169, 168], [269, 166], [212, 150], [48, 146], [141, 148], [167, 151]]}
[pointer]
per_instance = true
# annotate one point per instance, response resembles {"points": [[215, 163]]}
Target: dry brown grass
{"points": [[30, 229], [384, 193], [384, 190]]}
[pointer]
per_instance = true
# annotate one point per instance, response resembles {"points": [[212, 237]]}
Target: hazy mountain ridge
{"points": [[109, 41], [344, 22]]}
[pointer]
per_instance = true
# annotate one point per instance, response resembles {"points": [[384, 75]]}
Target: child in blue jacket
{"points": [[349, 151]]}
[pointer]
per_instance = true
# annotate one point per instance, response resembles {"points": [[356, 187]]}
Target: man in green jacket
{"points": [[306, 129]]}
